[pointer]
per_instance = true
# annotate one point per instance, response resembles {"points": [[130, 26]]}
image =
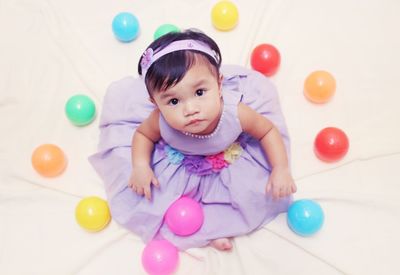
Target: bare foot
{"points": [[223, 244]]}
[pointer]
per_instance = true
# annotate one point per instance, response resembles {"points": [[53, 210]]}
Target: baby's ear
{"points": [[220, 79]]}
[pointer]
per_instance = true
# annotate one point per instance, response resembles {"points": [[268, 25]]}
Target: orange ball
{"points": [[319, 87], [49, 160]]}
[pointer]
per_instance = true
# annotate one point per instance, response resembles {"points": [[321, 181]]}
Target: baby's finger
{"points": [[281, 192], [294, 188], [139, 191], [268, 188], [155, 182], [276, 193], [147, 192], [288, 191]]}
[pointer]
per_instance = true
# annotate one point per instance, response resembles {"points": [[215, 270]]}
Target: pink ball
{"points": [[160, 257], [184, 217]]}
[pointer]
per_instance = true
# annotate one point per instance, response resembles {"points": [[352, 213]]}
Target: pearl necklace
{"points": [[209, 135]]}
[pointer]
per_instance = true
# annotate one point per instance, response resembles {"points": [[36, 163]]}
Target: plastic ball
{"points": [[49, 160], [224, 15], [80, 110], [265, 59], [164, 29], [331, 144], [92, 214], [184, 217], [319, 87], [305, 217], [160, 257], [125, 26]]}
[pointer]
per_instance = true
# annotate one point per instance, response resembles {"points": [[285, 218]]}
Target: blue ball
{"points": [[305, 217], [125, 26]]}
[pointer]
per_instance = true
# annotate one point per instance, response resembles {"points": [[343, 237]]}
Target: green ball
{"points": [[80, 110], [164, 29]]}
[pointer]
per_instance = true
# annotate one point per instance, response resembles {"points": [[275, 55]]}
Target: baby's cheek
{"points": [[175, 122]]}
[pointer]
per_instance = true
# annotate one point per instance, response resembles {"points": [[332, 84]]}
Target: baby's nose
{"points": [[191, 108]]}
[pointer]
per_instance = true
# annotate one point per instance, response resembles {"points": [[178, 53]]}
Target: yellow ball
{"points": [[224, 15], [92, 213]]}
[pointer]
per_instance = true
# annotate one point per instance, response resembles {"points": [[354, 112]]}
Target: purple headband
{"points": [[149, 57]]}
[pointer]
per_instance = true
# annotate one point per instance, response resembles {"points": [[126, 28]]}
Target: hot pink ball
{"points": [[184, 217], [160, 257]]}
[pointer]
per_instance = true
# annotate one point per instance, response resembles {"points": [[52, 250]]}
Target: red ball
{"points": [[331, 144], [266, 59]]}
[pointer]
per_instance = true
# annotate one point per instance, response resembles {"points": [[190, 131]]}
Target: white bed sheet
{"points": [[51, 50]]}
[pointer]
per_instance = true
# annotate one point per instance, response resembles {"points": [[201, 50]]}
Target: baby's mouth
{"points": [[194, 122]]}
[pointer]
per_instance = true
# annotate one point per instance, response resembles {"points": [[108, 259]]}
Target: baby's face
{"points": [[194, 104]]}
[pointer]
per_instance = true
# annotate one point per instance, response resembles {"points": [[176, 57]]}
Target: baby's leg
{"points": [[221, 222], [223, 244]]}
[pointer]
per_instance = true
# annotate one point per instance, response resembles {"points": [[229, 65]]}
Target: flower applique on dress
{"points": [[203, 165]]}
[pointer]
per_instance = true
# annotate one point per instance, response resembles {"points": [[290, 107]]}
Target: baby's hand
{"points": [[280, 183], [140, 180]]}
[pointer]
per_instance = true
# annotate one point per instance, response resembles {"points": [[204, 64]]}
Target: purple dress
{"points": [[226, 172]]}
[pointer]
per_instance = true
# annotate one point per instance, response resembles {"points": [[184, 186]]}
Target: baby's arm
{"points": [[142, 147], [280, 183]]}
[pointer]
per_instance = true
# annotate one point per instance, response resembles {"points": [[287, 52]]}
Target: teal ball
{"points": [[80, 110]]}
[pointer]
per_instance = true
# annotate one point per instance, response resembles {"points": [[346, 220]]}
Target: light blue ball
{"points": [[305, 217], [125, 26]]}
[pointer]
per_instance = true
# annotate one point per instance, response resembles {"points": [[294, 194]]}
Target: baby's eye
{"points": [[199, 92], [173, 101]]}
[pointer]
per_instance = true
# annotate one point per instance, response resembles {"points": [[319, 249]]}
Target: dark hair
{"points": [[169, 69]]}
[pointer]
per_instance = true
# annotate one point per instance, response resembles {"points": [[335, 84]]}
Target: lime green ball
{"points": [[164, 29], [80, 110]]}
